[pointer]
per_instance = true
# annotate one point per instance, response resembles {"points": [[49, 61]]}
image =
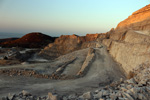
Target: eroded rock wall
{"points": [[129, 48], [139, 17], [69, 43]]}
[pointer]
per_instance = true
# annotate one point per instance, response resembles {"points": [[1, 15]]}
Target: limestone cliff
{"points": [[138, 20], [128, 46], [129, 43]]}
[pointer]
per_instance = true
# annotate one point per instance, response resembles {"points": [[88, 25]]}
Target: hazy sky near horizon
{"points": [[57, 17]]}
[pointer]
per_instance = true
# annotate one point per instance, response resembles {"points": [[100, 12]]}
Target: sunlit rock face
{"points": [[129, 43], [139, 20], [69, 43]]}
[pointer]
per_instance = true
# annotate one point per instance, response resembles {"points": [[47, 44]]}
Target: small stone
{"points": [[113, 96], [25, 93], [105, 93], [128, 96], [121, 80], [129, 86], [120, 98], [73, 96], [99, 94], [52, 96], [142, 83], [87, 95], [123, 89], [96, 91], [148, 89], [131, 81], [141, 96], [101, 99], [10, 96], [65, 98], [134, 92]]}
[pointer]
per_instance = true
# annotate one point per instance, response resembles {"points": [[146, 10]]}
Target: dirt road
{"points": [[102, 71]]}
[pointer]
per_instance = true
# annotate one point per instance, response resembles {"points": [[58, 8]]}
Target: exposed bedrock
{"points": [[129, 48], [69, 43], [129, 43], [138, 20]]}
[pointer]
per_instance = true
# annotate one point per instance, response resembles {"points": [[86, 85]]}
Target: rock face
{"points": [[129, 43], [69, 43], [138, 20], [89, 59], [31, 40], [129, 48]]}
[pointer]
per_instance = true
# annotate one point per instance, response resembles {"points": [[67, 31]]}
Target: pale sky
{"points": [[57, 17]]}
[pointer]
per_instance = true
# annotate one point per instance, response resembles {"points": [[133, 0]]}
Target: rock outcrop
{"points": [[138, 20], [30, 40], [128, 44], [89, 59], [69, 43], [129, 48]]}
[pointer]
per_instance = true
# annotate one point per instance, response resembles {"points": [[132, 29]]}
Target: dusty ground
{"points": [[102, 71]]}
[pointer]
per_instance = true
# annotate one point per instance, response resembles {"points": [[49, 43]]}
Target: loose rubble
{"points": [[31, 73], [136, 88]]}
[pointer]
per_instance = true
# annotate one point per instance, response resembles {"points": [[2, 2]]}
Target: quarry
{"points": [[103, 66]]}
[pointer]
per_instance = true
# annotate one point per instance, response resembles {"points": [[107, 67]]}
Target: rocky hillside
{"points": [[69, 43], [138, 20], [30, 40], [103, 60]]}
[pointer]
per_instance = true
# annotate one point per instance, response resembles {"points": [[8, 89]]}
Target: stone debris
{"points": [[35, 73], [136, 88]]}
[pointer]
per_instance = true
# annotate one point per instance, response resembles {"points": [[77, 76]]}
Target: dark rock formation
{"points": [[31, 40], [7, 39]]}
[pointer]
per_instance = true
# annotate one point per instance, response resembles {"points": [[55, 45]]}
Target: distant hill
{"points": [[7, 39], [30, 40]]}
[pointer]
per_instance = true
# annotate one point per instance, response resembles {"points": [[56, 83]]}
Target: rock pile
{"points": [[29, 73], [135, 88]]}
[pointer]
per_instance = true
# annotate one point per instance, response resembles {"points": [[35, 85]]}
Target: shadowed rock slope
{"points": [[7, 39]]}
